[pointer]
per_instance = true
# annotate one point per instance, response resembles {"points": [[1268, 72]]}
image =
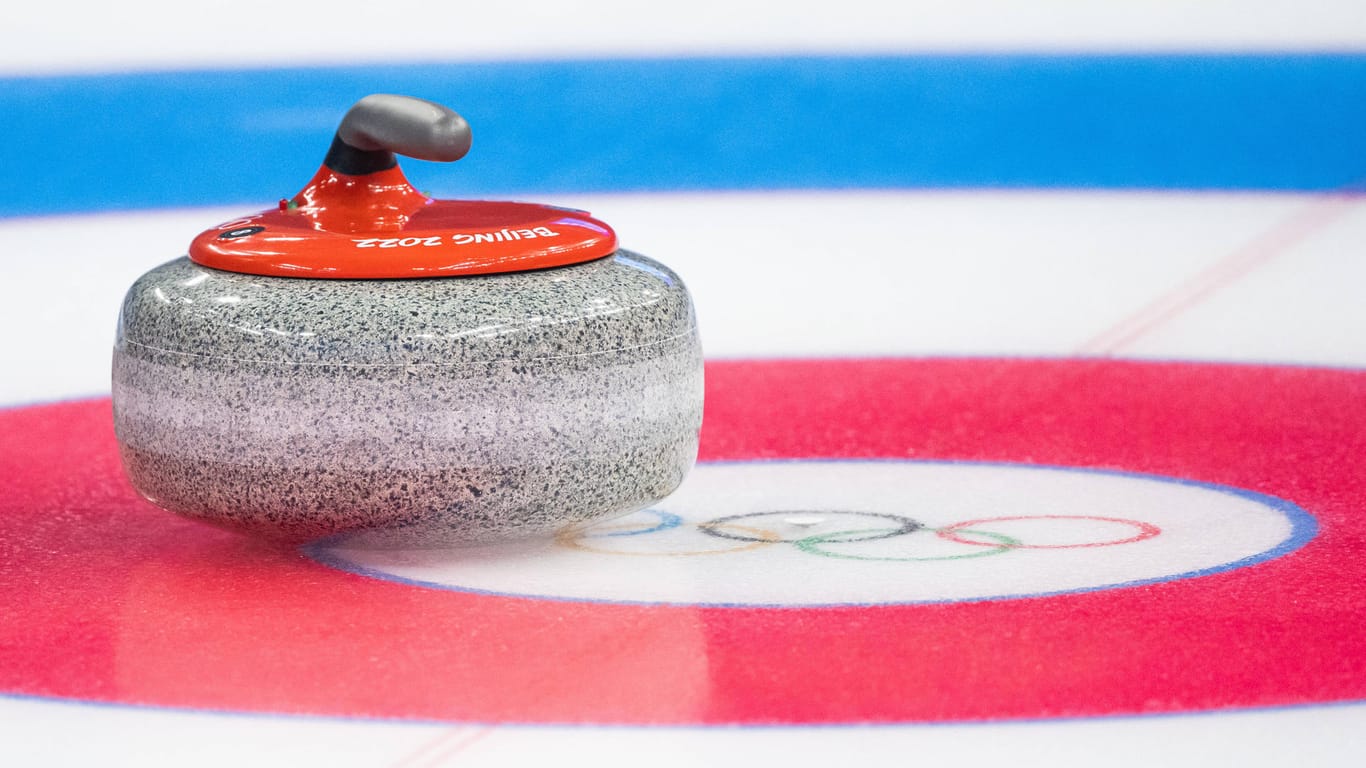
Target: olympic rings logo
{"points": [[747, 532]]}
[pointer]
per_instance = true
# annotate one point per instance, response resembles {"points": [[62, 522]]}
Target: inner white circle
{"points": [[801, 533]]}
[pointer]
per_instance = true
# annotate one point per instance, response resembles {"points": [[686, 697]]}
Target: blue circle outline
{"points": [[1303, 528], [667, 521], [278, 715]]}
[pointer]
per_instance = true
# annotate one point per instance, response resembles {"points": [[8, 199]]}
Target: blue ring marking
{"points": [[667, 521], [1180, 121], [767, 726], [1303, 528]]}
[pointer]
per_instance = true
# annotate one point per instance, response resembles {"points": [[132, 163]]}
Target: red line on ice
{"points": [[1262, 249]]}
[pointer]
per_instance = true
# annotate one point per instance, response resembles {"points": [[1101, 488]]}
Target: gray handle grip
{"points": [[382, 124], [407, 126]]}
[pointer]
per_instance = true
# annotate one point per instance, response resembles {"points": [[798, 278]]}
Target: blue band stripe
{"points": [[1233, 122]]}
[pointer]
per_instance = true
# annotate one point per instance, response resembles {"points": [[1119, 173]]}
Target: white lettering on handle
{"points": [[498, 236], [396, 242], [502, 235]]}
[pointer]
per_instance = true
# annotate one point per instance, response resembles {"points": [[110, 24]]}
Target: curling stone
{"points": [[369, 364]]}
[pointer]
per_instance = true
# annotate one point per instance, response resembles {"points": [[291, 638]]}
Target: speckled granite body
{"points": [[425, 412]]}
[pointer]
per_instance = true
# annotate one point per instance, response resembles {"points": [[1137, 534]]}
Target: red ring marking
{"points": [[1145, 531], [107, 598]]}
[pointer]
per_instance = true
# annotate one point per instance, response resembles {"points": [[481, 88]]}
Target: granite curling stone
{"points": [[372, 366]]}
